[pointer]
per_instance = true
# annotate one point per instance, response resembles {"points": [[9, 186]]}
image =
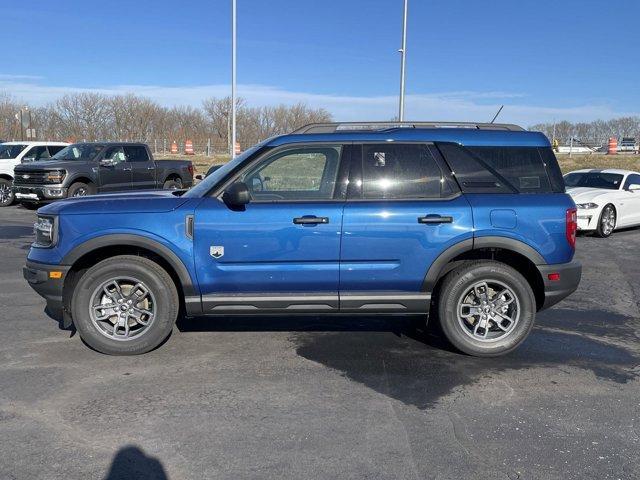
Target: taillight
{"points": [[190, 168], [572, 226]]}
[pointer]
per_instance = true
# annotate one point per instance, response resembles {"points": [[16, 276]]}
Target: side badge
{"points": [[216, 251]]}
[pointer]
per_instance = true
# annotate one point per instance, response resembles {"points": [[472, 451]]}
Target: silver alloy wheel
{"points": [[608, 220], [122, 308], [488, 311], [5, 193]]}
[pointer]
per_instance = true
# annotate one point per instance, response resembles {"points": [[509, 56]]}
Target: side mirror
{"points": [[108, 162], [237, 195], [634, 187]]}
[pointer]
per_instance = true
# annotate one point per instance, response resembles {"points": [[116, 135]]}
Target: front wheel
{"points": [[486, 308], [125, 305], [606, 222], [6, 193], [80, 189]]}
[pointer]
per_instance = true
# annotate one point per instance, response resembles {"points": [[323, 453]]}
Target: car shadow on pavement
{"points": [[131, 463], [397, 357]]}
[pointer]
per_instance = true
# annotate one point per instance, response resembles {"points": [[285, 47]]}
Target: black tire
{"points": [[158, 282], [6, 194], [604, 231], [461, 280], [80, 189], [172, 184], [30, 205]]}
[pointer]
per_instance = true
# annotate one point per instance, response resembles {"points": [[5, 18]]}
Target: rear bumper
{"points": [[39, 193], [556, 290], [40, 279]]}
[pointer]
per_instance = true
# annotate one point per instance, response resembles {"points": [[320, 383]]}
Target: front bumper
{"points": [[41, 279], [567, 283], [39, 193], [587, 219]]}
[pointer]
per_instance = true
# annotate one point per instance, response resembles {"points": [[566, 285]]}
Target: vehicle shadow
{"points": [[15, 232], [399, 358], [130, 462]]}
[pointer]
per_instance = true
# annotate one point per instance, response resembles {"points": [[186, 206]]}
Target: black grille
{"points": [[31, 177]]}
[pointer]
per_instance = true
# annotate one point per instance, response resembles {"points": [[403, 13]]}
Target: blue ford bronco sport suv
{"points": [[466, 223]]}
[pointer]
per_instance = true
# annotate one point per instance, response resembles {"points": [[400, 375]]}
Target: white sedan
{"points": [[606, 199]]}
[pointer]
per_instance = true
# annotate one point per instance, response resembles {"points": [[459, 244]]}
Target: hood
{"points": [[50, 165], [154, 201], [587, 194]]}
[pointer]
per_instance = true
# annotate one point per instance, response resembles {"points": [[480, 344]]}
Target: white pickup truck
{"points": [[15, 153]]}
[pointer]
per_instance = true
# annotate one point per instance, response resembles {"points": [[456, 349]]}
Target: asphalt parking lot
{"points": [[330, 398]]}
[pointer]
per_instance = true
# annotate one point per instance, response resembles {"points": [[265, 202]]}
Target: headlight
{"points": [[587, 206], [46, 232], [55, 176]]}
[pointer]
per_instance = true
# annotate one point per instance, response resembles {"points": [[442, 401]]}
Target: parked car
{"points": [[628, 144], [331, 218], [88, 168], [606, 199], [14, 153]]}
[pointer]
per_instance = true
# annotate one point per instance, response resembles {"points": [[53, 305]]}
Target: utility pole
{"points": [[233, 78], [403, 57]]}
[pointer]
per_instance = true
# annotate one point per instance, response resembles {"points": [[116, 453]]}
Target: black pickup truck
{"points": [[89, 168]]}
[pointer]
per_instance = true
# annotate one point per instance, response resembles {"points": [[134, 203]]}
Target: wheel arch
{"points": [[82, 179], [514, 253], [97, 249], [6, 176]]}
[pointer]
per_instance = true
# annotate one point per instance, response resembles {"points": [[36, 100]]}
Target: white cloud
{"points": [[448, 106]]}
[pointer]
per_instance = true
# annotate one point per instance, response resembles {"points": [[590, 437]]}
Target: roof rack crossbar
{"points": [[331, 127]]}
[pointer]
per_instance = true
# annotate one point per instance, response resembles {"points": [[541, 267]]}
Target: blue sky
{"points": [[545, 60]]}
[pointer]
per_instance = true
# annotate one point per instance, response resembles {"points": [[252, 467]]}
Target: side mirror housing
{"points": [[107, 162], [634, 187], [237, 195]]}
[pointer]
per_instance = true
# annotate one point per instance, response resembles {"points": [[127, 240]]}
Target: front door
{"points": [[630, 202], [281, 252], [115, 177], [403, 210]]}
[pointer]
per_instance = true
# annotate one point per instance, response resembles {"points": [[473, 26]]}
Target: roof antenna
{"points": [[497, 113]]}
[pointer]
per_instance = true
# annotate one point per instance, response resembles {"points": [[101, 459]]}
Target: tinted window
{"points": [[136, 153], [79, 151], [521, 166], [115, 153], [11, 151], [305, 173], [472, 175], [632, 179], [607, 181], [53, 149], [553, 169], [392, 171]]}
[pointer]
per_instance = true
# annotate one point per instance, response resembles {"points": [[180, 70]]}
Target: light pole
{"points": [[233, 78], [403, 56]]}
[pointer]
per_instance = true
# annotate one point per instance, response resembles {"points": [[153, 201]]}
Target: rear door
{"points": [[403, 210], [115, 177], [280, 252], [143, 169]]}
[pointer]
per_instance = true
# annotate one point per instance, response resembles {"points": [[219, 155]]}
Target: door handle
{"points": [[310, 220], [125, 169], [151, 168], [432, 219]]}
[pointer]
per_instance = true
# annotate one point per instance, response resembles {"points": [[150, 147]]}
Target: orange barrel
{"points": [[237, 149], [174, 147], [188, 147], [613, 146]]}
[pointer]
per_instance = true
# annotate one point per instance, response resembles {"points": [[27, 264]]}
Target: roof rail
{"points": [[331, 127]]}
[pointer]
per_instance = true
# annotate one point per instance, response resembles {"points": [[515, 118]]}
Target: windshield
{"points": [[79, 151], [10, 151], [609, 181], [211, 180]]}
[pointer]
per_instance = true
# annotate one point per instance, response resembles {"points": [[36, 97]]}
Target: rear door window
{"points": [[401, 171], [136, 153]]}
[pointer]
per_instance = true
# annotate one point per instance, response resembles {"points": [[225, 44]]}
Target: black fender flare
{"points": [[505, 243], [111, 240]]}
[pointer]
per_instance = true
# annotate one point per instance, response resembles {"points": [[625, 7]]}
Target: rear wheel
{"points": [[172, 184], [6, 194], [125, 305], [486, 308], [606, 222]]}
